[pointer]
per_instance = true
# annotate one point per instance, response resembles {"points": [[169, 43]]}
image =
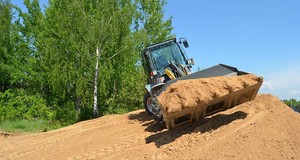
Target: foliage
{"points": [[293, 103], [47, 57], [18, 104]]}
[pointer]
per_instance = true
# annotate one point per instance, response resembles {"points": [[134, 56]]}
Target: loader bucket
{"points": [[204, 93]]}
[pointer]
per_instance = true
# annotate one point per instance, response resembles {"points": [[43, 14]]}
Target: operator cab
{"points": [[158, 57]]}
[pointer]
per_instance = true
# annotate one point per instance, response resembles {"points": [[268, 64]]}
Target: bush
{"points": [[18, 104], [65, 112]]}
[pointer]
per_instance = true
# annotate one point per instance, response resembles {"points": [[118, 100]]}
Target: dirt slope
{"points": [[261, 129]]}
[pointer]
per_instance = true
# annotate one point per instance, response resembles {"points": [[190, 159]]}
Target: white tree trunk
{"points": [[95, 108]]}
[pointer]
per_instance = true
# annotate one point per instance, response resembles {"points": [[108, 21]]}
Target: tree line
{"points": [[293, 103], [48, 60]]}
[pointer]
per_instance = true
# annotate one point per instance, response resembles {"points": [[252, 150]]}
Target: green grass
{"points": [[19, 126]]}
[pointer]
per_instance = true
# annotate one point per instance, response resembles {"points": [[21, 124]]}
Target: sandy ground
{"points": [[261, 129]]}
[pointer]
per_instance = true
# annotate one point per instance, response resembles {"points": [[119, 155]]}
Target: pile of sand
{"points": [[192, 93], [264, 128]]}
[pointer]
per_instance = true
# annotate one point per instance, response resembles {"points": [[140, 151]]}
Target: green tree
{"points": [[80, 28], [5, 44], [76, 29], [17, 48], [19, 98], [48, 57], [149, 21], [292, 103]]}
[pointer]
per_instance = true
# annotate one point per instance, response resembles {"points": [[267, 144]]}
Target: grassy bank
{"points": [[28, 126]]}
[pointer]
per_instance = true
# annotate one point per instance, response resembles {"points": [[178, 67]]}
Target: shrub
{"points": [[18, 104]]}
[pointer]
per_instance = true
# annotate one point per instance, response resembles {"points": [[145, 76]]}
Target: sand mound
{"points": [[192, 93], [264, 128]]}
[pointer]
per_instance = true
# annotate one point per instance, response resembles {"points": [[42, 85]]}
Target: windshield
{"points": [[163, 54]]}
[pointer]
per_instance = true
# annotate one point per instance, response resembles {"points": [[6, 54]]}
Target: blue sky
{"points": [[256, 36]]}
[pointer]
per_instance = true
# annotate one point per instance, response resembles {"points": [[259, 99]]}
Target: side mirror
{"points": [[185, 43]]}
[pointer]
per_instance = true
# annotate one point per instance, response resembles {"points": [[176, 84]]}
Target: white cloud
{"points": [[285, 83], [267, 86]]}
